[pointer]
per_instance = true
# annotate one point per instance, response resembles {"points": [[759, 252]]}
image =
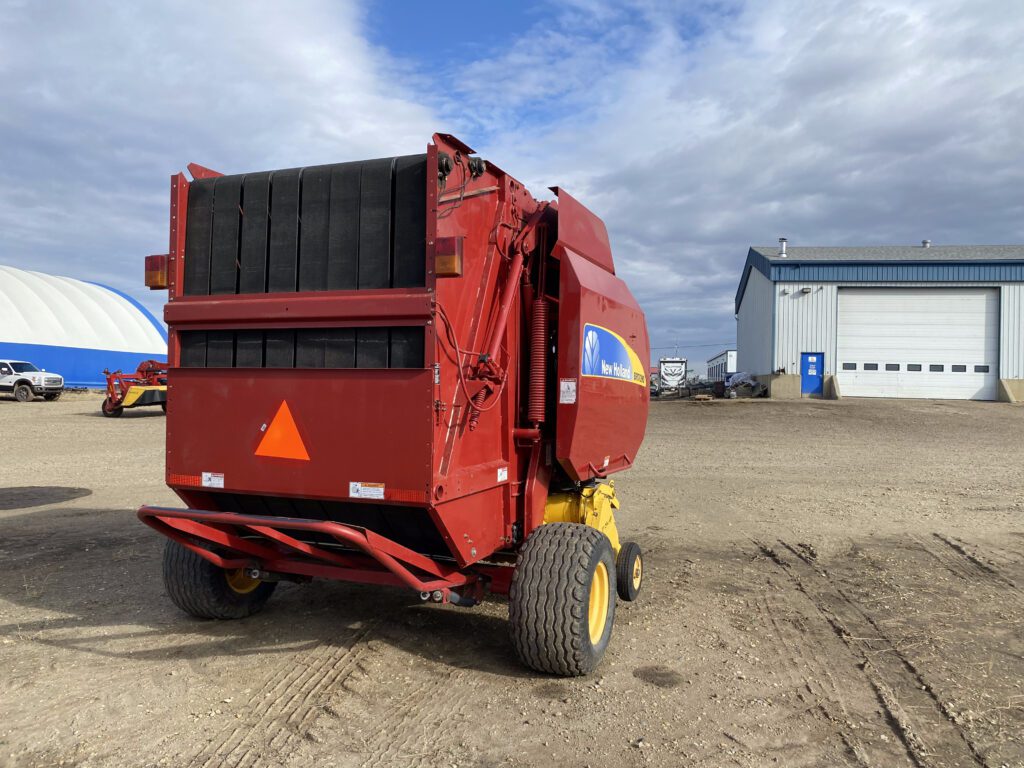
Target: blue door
{"points": [[812, 370]]}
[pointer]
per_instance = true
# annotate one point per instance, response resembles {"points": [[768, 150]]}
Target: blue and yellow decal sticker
{"points": [[606, 355]]}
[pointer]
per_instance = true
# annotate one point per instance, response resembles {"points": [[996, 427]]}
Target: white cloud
{"points": [[104, 101], [693, 129], [830, 123]]}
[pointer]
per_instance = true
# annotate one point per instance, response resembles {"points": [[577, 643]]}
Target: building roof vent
{"points": [[926, 243], [782, 247]]}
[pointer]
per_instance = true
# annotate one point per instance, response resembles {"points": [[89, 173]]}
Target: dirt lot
{"points": [[833, 583]]}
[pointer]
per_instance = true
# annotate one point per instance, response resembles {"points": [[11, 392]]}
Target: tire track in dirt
{"points": [[998, 555], [956, 557], [285, 706], [298, 714], [805, 669], [410, 731], [900, 686]]}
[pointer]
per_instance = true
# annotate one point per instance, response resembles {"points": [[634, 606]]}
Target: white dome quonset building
{"points": [[74, 328]]}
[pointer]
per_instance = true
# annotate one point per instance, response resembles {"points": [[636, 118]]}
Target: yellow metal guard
{"points": [[594, 506], [136, 391]]}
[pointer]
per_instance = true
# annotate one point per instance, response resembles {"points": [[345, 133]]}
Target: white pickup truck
{"points": [[27, 382]]}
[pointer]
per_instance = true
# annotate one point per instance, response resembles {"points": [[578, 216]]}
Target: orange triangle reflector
{"points": [[282, 440]]}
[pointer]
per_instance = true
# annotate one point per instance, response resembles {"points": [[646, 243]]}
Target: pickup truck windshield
{"points": [[24, 368]]}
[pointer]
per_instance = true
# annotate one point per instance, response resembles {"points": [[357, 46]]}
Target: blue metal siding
{"points": [[870, 272], [79, 367], [966, 272]]}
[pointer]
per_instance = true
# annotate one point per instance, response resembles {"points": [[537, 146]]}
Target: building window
{"points": [[913, 366], [870, 366], [936, 368], [981, 369], [959, 369], [892, 366], [849, 366]]}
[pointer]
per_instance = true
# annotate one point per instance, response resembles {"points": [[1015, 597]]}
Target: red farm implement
{"points": [[412, 374], [145, 386]]}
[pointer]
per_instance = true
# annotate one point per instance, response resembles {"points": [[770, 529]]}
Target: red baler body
{"points": [[431, 463]]}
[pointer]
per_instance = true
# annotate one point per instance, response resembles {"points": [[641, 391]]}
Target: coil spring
{"points": [[538, 360], [474, 408]]}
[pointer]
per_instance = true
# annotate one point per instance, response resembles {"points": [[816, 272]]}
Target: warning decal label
{"points": [[366, 490], [567, 391]]}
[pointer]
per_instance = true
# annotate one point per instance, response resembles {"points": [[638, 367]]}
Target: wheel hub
{"points": [[597, 614], [240, 581]]}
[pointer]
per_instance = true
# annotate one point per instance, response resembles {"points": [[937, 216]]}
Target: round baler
{"points": [[405, 371]]}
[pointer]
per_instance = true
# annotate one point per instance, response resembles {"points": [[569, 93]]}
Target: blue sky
{"points": [[432, 37], [695, 129]]}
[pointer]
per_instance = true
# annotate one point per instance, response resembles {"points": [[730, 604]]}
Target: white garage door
{"points": [[919, 342]]}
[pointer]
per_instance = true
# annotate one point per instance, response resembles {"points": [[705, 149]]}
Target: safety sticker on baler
{"points": [[366, 490], [213, 479], [606, 355], [567, 391]]}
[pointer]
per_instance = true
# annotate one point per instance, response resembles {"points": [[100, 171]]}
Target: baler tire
{"points": [[163, 406], [549, 598], [23, 393], [201, 589], [110, 411], [629, 573]]}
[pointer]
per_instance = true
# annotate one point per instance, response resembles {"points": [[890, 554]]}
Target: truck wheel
{"points": [[629, 570], [23, 393], [52, 396], [108, 409], [562, 599], [205, 591]]}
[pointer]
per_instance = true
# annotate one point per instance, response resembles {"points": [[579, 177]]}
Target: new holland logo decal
{"points": [[606, 355]]}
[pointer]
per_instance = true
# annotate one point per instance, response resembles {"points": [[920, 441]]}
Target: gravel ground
{"points": [[827, 583]]}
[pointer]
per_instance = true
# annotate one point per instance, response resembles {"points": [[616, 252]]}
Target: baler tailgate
{"points": [[303, 432]]}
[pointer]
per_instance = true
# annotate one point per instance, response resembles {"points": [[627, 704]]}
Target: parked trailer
{"points": [[145, 386], [413, 374], [672, 374]]}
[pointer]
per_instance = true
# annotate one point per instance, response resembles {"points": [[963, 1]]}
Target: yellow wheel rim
{"points": [[638, 572], [240, 581], [597, 615]]}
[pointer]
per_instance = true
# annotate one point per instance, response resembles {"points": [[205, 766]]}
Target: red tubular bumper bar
{"points": [[382, 561]]}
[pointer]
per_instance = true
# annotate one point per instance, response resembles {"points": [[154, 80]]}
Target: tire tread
{"points": [[199, 588], [624, 571], [549, 598]]}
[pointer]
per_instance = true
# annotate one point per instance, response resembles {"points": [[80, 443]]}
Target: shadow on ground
{"points": [[95, 574], [28, 496], [143, 412]]}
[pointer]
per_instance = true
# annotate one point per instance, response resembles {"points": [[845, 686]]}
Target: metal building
{"points": [[894, 321], [74, 328], [722, 365]]}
